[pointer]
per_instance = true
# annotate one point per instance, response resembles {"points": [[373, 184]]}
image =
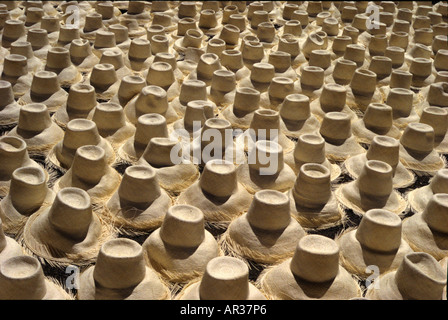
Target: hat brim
{"points": [[364, 135], [54, 102], [384, 288], [431, 163], [342, 152], [295, 129], [236, 122], [12, 249], [335, 170], [418, 198], [9, 115], [131, 113], [279, 283], [253, 182]]}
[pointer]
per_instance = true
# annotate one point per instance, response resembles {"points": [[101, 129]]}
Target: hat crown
{"points": [[152, 99], [121, 33], [103, 75], [89, 164], [80, 132], [400, 79], [336, 127], [310, 148], [320, 58], [225, 278], [120, 264], [266, 157], [262, 72], [219, 170], [437, 118], [375, 184], [34, 117], [22, 48], [44, 83], [295, 107], [288, 43], [109, 117], [343, 71], [439, 183], [13, 152], [312, 78], [148, 126], [15, 65], [139, 187], [7, 93], [38, 38], [316, 259], [81, 97], [386, 149], [333, 97], [58, 58], [436, 211], [158, 152], [312, 188], [183, 226], [207, 65], [246, 100], [269, 210], [378, 118], [160, 74], [420, 277], [223, 80], [401, 101], [192, 90], [232, 59], [438, 94], [67, 33], [363, 82], [418, 138]]}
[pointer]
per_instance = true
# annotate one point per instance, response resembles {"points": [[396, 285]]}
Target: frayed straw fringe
{"points": [[4, 190], [320, 223], [260, 283], [62, 288], [177, 187], [424, 170], [15, 228], [436, 254]]}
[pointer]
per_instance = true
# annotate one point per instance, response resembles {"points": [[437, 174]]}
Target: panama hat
{"points": [[90, 172], [222, 87], [208, 63], [24, 48], [9, 109], [252, 50], [193, 38], [121, 32], [402, 100], [68, 231], [343, 72], [81, 55], [219, 203], [189, 90], [151, 99], [232, 59], [421, 70], [437, 118], [418, 198], [377, 241], [428, 280], [142, 211], [175, 174], [266, 168], [363, 193], [340, 42], [93, 23], [397, 55], [181, 248], [130, 86], [46, 89], [385, 149], [148, 126], [314, 41], [282, 62], [363, 90], [340, 143], [22, 278], [260, 77], [120, 273], [8, 246], [79, 132], [241, 112], [138, 55], [313, 273], [105, 80], [311, 81], [67, 33], [196, 113], [161, 74], [15, 71], [279, 88], [115, 57], [81, 100], [13, 30], [28, 193], [225, 278], [425, 231], [266, 233], [38, 38], [37, 129], [137, 10], [13, 155], [436, 95], [417, 148]]}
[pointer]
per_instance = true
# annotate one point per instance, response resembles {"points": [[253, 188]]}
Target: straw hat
{"points": [[79, 132], [282, 62], [38, 38], [418, 198], [81, 55], [252, 50], [421, 69], [376, 121], [332, 99], [22, 278], [240, 114], [208, 63], [190, 90], [219, 203], [340, 143], [222, 87], [28, 194], [436, 94], [24, 48], [36, 128], [260, 77], [90, 172], [148, 126], [343, 72], [311, 81], [181, 248], [425, 231], [279, 88], [419, 277], [130, 86], [437, 118], [120, 273], [373, 189], [139, 53], [15, 71], [266, 233], [196, 113], [105, 80], [363, 89], [313, 273], [151, 99], [377, 241], [385, 149], [9, 109], [67, 33], [115, 57], [417, 148], [193, 38], [8, 246], [13, 155], [266, 169], [402, 100], [175, 174], [13, 30], [225, 278], [46, 89], [93, 23], [161, 74]]}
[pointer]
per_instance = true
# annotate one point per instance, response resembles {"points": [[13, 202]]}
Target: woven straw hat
{"points": [[130, 86], [189, 90], [241, 112], [402, 100], [181, 248], [15, 71], [222, 87], [373, 189], [260, 77], [196, 113], [282, 62], [266, 168], [266, 233], [377, 241], [115, 57], [419, 277], [24, 48], [421, 69], [105, 80], [138, 55], [417, 148], [232, 60], [437, 118], [90, 172], [332, 99], [311, 81], [313, 273], [8, 246], [28, 193], [67, 33], [384, 149], [9, 109], [225, 278], [13, 30], [343, 72], [161, 74], [58, 61], [22, 278], [36, 128], [81, 55], [220, 203], [418, 198], [208, 63], [192, 39], [173, 176], [120, 273], [68, 231], [139, 204]]}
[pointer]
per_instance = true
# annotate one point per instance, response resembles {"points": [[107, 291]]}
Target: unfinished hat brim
{"points": [[261, 246], [402, 178], [432, 162], [150, 288], [131, 113], [342, 152], [236, 122], [253, 182], [88, 63], [364, 135], [53, 103], [356, 258], [179, 264], [9, 116], [418, 198], [335, 170], [279, 283], [12, 249], [295, 129], [69, 76], [385, 289]]}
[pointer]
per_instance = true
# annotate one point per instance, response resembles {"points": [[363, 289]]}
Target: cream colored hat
{"points": [[232, 59], [208, 63], [22, 278], [311, 81], [130, 86], [68, 232], [437, 118], [222, 87], [189, 90], [9, 109], [181, 248], [363, 89], [134, 212], [9, 248], [225, 278], [92, 24], [28, 194], [13, 30], [343, 72], [219, 203], [279, 88], [115, 57], [81, 55], [266, 233], [120, 273], [240, 114], [419, 277], [402, 101], [161, 74], [38, 38], [139, 54], [421, 70], [282, 62], [377, 241], [313, 273], [15, 71], [24, 48], [435, 95], [105, 80], [418, 198], [260, 77], [373, 189], [196, 113], [67, 33]]}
